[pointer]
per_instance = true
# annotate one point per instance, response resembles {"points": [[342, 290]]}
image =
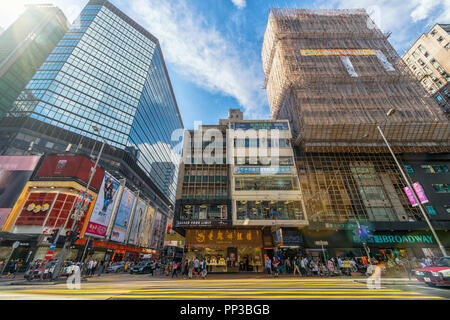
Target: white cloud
{"points": [[202, 54], [397, 16], [239, 3]]}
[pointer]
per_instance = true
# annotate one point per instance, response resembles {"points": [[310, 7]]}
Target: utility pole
{"points": [[77, 216]]}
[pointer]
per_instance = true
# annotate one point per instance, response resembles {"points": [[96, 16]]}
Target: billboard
{"points": [[144, 239], [386, 64], [419, 192], [15, 171], [138, 222], [123, 215], [409, 194], [263, 170], [156, 233], [337, 52], [69, 167], [101, 214]]}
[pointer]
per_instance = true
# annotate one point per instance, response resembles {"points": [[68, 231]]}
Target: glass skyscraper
{"points": [[109, 72], [24, 46]]}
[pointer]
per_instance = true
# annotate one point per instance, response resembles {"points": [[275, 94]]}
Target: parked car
{"points": [[117, 267], [437, 275], [143, 267]]}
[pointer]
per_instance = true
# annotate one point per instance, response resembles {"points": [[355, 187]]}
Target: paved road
{"points": [[125, 286]]}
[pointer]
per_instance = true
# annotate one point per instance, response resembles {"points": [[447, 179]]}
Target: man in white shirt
{"points": [[196, 266]]}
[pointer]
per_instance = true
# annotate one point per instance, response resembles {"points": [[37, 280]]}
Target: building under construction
{"points": [[335, 75]]}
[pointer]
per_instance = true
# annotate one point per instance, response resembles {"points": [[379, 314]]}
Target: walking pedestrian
{"points": [[186, 269], [268, 266], [330, 267], [175, 269], [100, 269], [13, 268], [196, 266], [203, 267], [275, 264], [191, 269], [296, 266]]}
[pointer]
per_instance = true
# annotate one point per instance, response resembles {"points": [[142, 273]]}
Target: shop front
{"points": [[382, 245], [226, 250]]}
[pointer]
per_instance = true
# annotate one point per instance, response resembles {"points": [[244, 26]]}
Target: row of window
{"points": [[269, 210], [269, 183], [205, 179], [266, 143], [434, 168]]}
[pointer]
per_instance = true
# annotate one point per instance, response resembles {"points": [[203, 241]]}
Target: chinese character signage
{"points": [[225, 237]]}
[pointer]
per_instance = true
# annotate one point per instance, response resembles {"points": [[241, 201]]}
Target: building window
{"points": [[442, 188], [432, 33], [204, 212], [431, 210], [269, 210], [266, 183], [447, 46], [435, 168], [380, 213], [409, 169], [447, 208], [440, 39]]}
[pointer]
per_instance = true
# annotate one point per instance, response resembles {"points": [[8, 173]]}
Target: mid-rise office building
{"points": [[429, 60], [334, 75], [24, 46], [107, 72], [238, 187]]}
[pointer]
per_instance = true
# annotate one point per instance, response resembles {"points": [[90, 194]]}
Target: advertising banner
{"points": [[337, 52], [156, 233], [147, 227], [409, 194], [419, 192], [387, 65], [138, 221], [101, 214], [69, 167], [349, 66], [15, 171], [122, 218]]}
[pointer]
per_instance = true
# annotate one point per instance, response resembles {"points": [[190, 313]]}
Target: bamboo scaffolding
{"points": [[326, 106]]}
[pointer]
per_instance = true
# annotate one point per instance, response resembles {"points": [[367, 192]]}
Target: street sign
{"points": [[53, 246], [49, 255], [16, 244], [321, 243]]}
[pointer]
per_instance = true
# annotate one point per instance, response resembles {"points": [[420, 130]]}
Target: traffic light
{"points": [[53, 235], [362, 233], [72, 236], [90, 248]]}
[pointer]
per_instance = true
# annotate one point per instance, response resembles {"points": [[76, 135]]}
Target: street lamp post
{"points": [[422, 210], [63, 253]]}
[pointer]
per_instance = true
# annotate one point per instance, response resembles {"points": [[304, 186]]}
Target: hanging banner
{"points": [[419, 192], [387, 65], [349, 66], [156, 231], [123, 214], [409, 194], [337, 52], [147, 227], [138, 219], [101, 214]]}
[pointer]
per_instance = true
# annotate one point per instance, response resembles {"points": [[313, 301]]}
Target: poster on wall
{"points": [[387, 65], [147, 227], [123, 215], [15, 171], [102, 211], [156, 233], [349, 66], [138, 222]]}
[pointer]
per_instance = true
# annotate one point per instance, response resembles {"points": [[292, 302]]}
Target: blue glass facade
{"points": [[109, 72]]}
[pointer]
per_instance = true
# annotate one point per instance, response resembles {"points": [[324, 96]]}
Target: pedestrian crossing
{"points": [[216, 289]]}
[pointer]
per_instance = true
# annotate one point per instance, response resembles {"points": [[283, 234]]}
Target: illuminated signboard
{"points": [[263, 170], [283, 125]]}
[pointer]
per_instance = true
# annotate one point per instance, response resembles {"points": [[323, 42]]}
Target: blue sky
{"points": [[212, 48]]}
